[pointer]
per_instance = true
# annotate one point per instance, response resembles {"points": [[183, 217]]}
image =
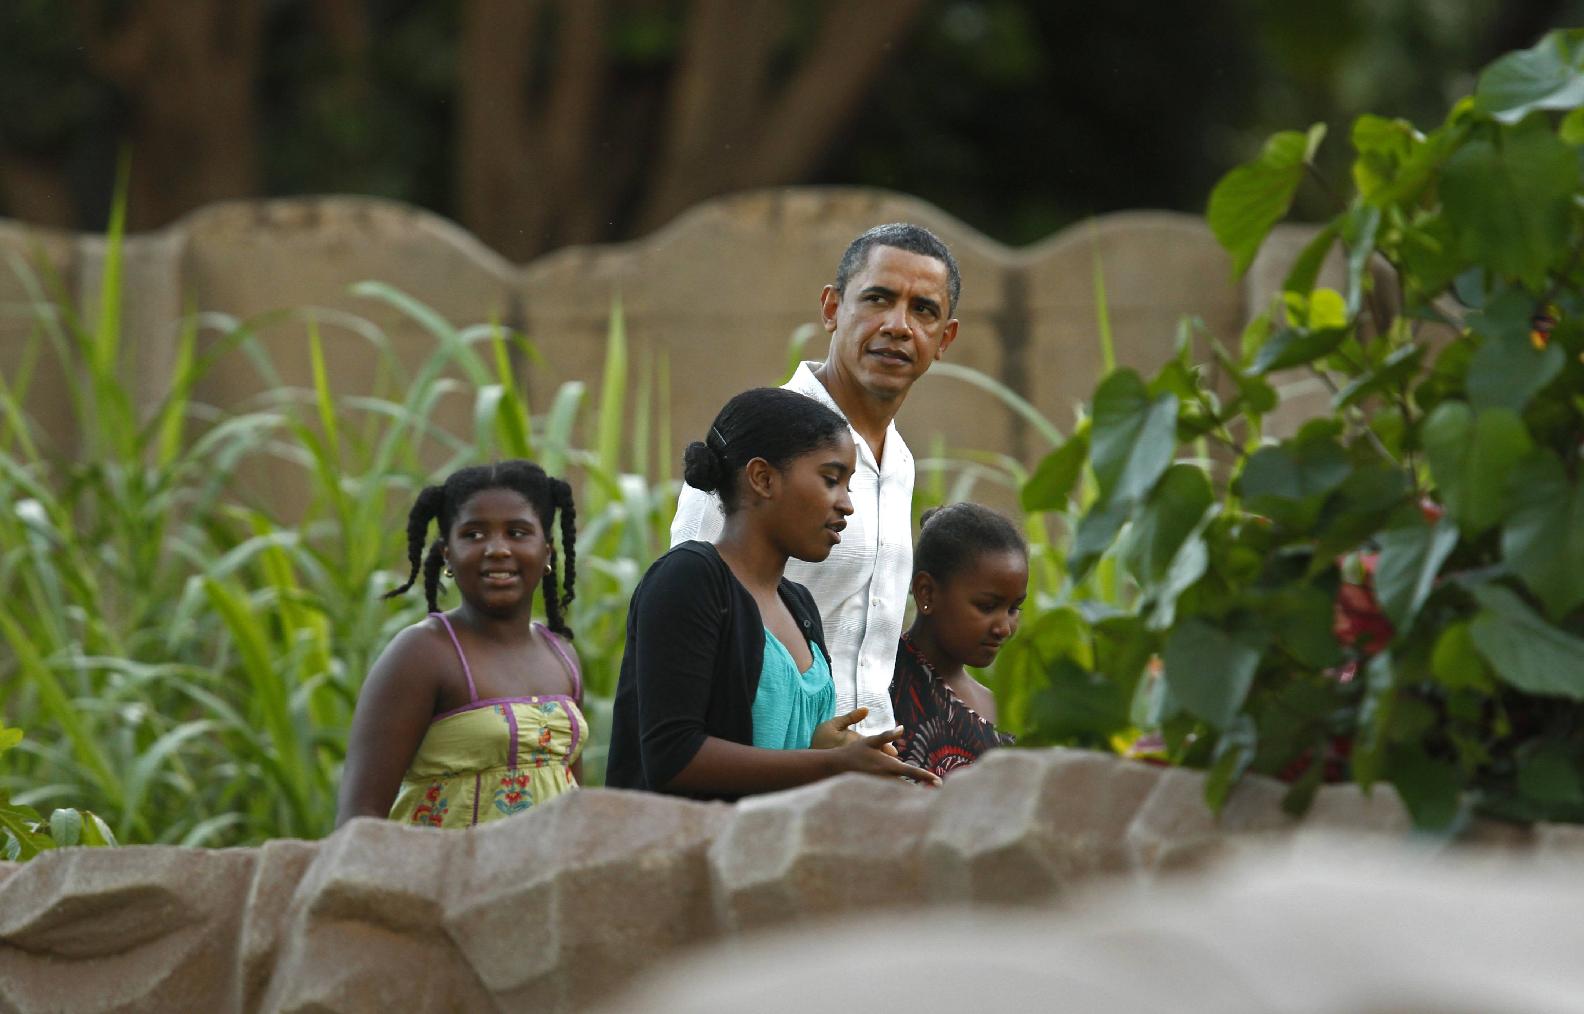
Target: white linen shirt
{"points": [[862, 587]]}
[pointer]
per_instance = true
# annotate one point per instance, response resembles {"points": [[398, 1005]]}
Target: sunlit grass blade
{"points": [[613, 393], [1014, 401], [1102, 305]]}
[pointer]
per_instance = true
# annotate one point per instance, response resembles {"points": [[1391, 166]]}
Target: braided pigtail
{"points": [[568, 540], [557, 598], [431, 571], [424, 510]]}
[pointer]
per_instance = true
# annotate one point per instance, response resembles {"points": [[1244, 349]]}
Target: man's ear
{"points": [[948, 335], [830, 301], [762, 478]]}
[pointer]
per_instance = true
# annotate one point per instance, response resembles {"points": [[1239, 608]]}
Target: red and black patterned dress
{"points": [[939, 732]]}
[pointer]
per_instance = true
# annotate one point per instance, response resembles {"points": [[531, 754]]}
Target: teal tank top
{"points": [[789, 704]]}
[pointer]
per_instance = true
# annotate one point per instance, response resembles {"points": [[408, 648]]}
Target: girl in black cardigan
{"points": [[696, 627]]}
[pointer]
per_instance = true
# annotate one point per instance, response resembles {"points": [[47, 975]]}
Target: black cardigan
{"points": [[695, 648]]}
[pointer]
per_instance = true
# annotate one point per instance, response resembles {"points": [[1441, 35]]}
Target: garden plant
{"points": [[185, 659], [1391, 592]]}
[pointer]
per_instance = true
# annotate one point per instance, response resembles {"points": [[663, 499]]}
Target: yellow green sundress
{"points": [[495, 757]]}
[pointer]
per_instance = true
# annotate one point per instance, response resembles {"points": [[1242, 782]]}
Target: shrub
{"points": [[1393, 592]]}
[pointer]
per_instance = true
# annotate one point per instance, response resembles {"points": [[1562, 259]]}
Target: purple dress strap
{"points": [[472, 690], [559, 647]]}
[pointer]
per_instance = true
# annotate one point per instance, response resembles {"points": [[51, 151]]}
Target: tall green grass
{"points": [[184, 658]]}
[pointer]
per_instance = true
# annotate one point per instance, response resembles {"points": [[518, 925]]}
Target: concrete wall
{"points": [[719, 291]]}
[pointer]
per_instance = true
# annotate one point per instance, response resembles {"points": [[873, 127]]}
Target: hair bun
{"points": [[701, 467], [924, 518]]}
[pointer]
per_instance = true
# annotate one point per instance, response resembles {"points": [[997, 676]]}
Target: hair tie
{"points": [[718, 448]]}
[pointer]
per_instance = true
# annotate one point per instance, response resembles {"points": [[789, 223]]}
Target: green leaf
{"points": [[1572, 129], [1472, 457], [1256, 395], [1295, 346], [1410, 559], [1302, 617], [1234, 753], [1096, 532], [1375, 719], [1507, 370], [1076, 704], [1428, 787], [1509, 201], [1133, 436], [1430, 255], [1209, 672], [1456, 662], [1545, 76], [1305, 271], [1543, 539], [1173, 510], [1187, 567], [1304, 467], [1525, 650], [1252, 198], [1051, 485], [1550, 774], [1400, 366], [95, 832], [9, 738], [66, 827], [1359, 228], [1382, 146]]}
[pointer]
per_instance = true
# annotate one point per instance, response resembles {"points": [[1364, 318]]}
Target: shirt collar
{"points": [[806, 383]]}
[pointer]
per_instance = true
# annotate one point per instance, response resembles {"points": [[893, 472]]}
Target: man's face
{"points": [[891, 323]]}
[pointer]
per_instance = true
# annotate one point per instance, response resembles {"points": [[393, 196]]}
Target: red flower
{"points": [[1357, 620]]}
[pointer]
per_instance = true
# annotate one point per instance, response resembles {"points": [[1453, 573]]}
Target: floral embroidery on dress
{"points": [[513, 795], [432, 810]]}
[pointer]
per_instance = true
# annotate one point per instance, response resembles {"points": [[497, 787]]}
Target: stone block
{"points": [[147, 928], [1393, 931], [849, 844], [365, 928], [276, 877], [1174, 828], [1020, 825], [559, 906]]}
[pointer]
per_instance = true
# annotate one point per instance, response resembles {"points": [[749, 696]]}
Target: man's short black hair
{"points": [[904, 236]]}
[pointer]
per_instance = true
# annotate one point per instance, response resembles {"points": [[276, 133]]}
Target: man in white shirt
{"points": [[889, 314]]}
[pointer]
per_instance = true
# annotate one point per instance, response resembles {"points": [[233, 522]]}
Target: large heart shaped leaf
{"points": [[1133, 436], [1472, 457], [1252, 198], [1509, 199], [1525, 650], [1546, 76], [1543, 540], [1209, 672]]}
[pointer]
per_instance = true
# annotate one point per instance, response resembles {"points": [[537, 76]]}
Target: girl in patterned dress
{"points": [[970, 577], [474, 714]]}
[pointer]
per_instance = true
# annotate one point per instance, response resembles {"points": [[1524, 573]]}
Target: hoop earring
{"points": [[549, 566], [449, 572]]}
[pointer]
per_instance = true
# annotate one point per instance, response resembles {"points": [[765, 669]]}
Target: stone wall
{"points": [[718, 292], [562, 907]]}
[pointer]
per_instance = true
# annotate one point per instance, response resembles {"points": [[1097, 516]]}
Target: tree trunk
{"points": [[189, 71], [567, 162], [36, 191], [728, 130]]}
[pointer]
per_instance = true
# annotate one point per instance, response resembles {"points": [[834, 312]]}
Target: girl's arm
{"points": [[678, 617], [576, 676], [726, 768], [393, 712]]}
